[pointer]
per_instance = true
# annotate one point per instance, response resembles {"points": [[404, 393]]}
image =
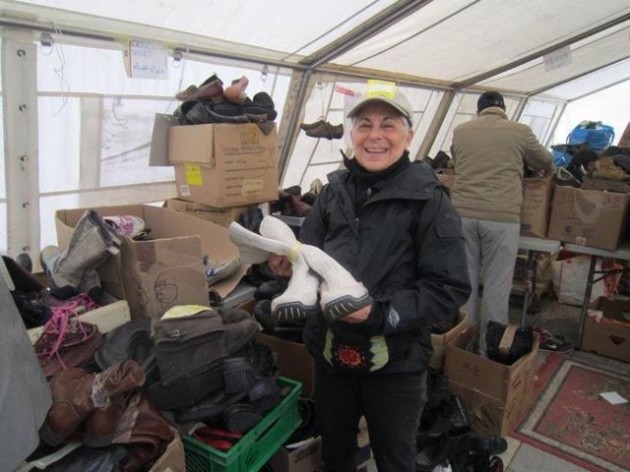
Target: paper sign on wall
{"points": [[146, 60], [557, 59]]}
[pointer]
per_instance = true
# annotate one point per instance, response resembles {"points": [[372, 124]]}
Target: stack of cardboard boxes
{"points": [[220, 169], [596, 218]]}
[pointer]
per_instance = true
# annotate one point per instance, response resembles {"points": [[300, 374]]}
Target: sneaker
{"points": [[127, 225], [218, 271], [551, 342]]}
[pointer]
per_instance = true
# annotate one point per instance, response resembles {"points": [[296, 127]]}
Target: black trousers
{"points": [[392, 405]]}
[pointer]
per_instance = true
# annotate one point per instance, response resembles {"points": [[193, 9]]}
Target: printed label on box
{"points": [[252, 186], [184, 190], [193, 175], [250, 137]]}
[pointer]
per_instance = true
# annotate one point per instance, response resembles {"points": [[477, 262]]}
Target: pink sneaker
{"points": [[66, 341], [127, 225]]}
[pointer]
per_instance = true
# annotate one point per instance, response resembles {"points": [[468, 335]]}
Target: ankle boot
{"points": [[92, 242], [76, 394], [116, 383], [144, 432], [71, 404]]}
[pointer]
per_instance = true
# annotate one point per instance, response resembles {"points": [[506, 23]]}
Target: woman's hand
{"points": [[358, 316], [280, 265]]}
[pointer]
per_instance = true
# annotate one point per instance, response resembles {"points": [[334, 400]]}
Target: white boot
{"points": [[299, 300]]}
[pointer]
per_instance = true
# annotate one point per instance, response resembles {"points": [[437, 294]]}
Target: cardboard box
{"points": [[536, 207], [155, 275], [294, 361], [448, 179], [219, 216], [173, 459], [224, 165], [495, 394], [608, 339], [308, 456], [588, 217], [624, 139], [440, 341]]}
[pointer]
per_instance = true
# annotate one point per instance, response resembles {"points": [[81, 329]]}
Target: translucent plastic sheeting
{"points": [[292, 29], [595, 81], [582, 57], [459, 39]]}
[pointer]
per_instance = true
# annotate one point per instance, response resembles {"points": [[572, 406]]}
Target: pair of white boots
{"points": [[318, 281]]}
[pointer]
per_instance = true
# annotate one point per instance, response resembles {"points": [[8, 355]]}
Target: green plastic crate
{"points": [[254, 449]]}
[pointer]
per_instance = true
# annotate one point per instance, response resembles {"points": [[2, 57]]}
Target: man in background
{"points": [[489, 156]]}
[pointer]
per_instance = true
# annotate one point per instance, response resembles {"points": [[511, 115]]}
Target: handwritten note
{"points": [[557, 59], [146, 60]]}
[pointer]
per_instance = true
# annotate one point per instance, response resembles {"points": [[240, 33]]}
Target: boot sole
{"points": [[345, 305]]}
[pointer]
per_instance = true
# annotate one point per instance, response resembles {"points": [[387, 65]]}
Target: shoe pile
{"points": [[200, 364], [291, 201], [212, 103], [551, 342], [446, 437], [606, 168], [211, 369]]}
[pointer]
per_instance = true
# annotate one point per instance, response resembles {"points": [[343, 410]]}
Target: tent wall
{"points": [[77, 129]]}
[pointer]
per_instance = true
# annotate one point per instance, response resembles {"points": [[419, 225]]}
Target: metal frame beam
{"points": [[19, 91], [541, 52]]}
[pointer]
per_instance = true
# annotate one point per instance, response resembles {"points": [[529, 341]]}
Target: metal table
{"points": [[532, 245], [623, 253]]}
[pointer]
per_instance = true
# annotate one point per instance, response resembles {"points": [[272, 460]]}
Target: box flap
{"points": [[191, 144], [158, 155]]}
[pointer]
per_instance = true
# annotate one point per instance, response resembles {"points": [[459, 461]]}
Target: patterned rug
{"points": [[572, 421]]}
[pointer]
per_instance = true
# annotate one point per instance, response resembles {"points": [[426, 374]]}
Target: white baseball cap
{"points": [[395, 99]]}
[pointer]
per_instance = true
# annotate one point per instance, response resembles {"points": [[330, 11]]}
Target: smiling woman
{"points": [[380, 135], [391, 225]]}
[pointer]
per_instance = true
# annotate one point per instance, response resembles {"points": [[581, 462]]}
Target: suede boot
{"points": [[92, 242]]}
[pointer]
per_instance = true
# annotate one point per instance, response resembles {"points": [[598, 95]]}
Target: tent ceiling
{"points": [[490, 43]]}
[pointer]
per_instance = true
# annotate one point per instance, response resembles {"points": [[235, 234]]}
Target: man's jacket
{"points": [[489, 155]]}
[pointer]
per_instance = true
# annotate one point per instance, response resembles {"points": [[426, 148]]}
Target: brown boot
{"points": [[71, 403], [116, 382], [144, 432], [76, 394]]}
